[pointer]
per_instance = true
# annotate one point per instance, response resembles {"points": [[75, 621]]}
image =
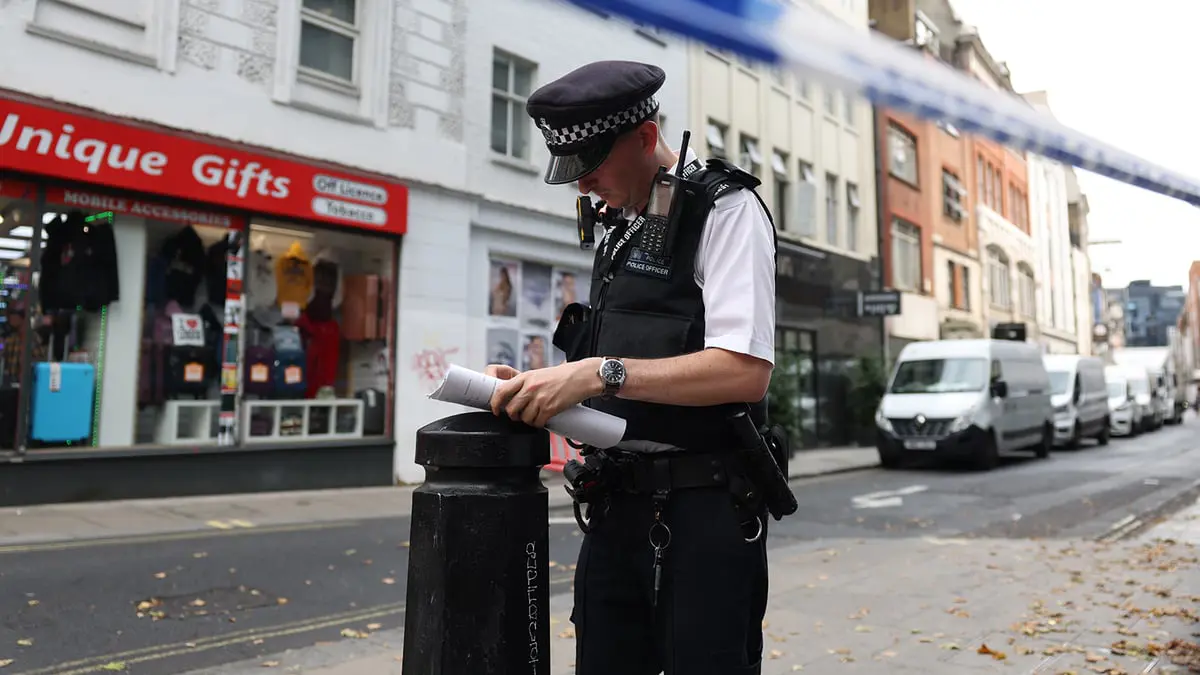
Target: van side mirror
{"points": [[1000, 389]]}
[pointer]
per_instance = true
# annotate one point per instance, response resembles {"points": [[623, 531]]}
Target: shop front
{"points": [[184, 315], [820, 342]]}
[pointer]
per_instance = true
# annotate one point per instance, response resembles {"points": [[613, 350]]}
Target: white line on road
{"points": [[886, 498], [562, 520]]}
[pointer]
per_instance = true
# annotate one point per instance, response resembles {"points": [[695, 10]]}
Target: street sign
{"points": [[878, 303]]}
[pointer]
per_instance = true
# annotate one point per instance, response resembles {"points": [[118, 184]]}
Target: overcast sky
{"points": [[1121, 75]]}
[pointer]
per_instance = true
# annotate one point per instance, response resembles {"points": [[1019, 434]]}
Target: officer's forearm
{"points": [[708, 377]]}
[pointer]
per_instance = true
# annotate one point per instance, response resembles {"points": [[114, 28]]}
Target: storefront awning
{"points": [[889, 74]]}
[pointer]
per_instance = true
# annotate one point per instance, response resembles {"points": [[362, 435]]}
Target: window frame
{"points": [[327, 23], [897, 133], [512, 100], [910, 234]]}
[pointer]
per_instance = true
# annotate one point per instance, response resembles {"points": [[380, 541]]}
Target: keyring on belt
{"points": [[757, 535], [666, 536]]}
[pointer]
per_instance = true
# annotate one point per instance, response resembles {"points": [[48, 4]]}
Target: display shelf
{"points": [[308, 419], [187, 422]]}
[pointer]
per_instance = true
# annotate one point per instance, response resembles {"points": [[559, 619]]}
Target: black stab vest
{"points": [[649, 308]]}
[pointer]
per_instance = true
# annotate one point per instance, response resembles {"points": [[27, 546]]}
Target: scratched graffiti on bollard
{"points": [[531, 588]]}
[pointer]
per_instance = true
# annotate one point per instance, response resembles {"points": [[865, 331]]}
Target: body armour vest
{"points": [[650, 307]]}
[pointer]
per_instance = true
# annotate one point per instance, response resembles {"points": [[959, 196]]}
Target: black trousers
{"points": [[711, 602]]}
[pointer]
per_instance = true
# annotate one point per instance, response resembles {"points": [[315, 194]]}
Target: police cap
{"points": [[582, 113]]}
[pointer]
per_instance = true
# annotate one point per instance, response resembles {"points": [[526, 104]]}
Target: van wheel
{"points": [[1076, 437], [1102, 439], [1043, 448], [989, 455]]}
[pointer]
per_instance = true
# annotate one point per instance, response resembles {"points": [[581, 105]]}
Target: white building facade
{"points": [[1050, 228], [813, 149], [408, 167], [1009, 260]]}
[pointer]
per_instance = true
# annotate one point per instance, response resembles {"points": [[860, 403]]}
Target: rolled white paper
{"points": [[582, 425]]}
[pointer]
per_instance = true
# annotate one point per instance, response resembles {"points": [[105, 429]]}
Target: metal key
{"points": [[658, 560]]}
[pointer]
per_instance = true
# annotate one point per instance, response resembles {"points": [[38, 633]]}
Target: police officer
{"points": [[672, 573]]}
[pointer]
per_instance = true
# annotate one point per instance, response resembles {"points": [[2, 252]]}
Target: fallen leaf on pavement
{"points": [[351, 633], [350, 551], [6, 662], [374, 626], [862, 629], [197, 603], [270, 664], [34, 603], [551, 564], [199, 554], [797, 668], [950, 646], [160, 575], [281, 601], [405, 544], [568, 633], [774, 654], [25, 642], [988, 651], [389, 581]]}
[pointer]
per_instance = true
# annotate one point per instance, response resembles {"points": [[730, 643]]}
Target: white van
{"points": [[1130, 405], [978, 399], [1080, 398]]}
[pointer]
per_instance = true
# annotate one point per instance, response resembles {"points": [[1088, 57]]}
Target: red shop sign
{"points": [[55, 143]]}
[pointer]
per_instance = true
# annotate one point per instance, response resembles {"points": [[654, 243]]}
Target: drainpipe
{"points": [[880, 223]]}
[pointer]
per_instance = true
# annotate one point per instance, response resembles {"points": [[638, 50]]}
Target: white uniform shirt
{"points": [[735, 270]]}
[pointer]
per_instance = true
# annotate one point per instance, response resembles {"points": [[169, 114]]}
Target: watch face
{"points": [[612, 371]]}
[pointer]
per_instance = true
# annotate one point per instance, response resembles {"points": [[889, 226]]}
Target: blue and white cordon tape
{"points": [[889, 74]]}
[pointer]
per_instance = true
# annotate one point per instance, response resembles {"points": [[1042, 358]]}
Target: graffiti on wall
{"points": [[430, 365]]}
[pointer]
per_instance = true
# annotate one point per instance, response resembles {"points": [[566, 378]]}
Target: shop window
{"points": [[319, 335], [525, 301], [17, 216]]}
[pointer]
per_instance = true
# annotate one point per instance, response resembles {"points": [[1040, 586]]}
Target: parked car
{"points": [[1131, 406], [972, 399], [1079, 394]]}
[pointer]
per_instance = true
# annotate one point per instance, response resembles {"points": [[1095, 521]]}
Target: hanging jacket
{"points": [[184, 253], [293, 277], [79, 265]]}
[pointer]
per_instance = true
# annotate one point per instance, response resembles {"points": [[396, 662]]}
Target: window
{"points": [[830, 100], [997, 191], [1028, 292], [980, 180], [953, 194], [966, 287], [853, 208], [952, 276], [988, 197], [318, 335], [329, 35], [831, 209], [512, 82], [902, 154], [906, 255], [716, 140], [802, 88], [751, 158], [525, 300], [848, 110], [779, 167], [999, 278], [806, 200]]}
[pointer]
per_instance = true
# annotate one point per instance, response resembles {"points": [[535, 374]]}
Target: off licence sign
{"points": [[65, 145]]}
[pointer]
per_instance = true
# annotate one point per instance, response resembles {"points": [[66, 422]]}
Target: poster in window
{"points": [[535, 302], [502, 288], [569, 286], [502, 346], [535, 351]]}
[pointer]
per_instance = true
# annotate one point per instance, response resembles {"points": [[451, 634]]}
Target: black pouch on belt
{"points": [[574, 331]]}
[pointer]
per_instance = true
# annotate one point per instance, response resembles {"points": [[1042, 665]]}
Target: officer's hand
{"points": [[501, 371], [533, 397]]}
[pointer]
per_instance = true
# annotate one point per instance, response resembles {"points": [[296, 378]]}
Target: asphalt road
{"points": [[166, 605]]}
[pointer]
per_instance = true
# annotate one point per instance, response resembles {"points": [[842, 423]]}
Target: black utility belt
{"points": [[651, 473]]}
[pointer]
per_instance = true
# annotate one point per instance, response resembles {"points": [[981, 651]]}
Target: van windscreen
{"points": [[937, 376], [1117, 389], [1061, 382]]}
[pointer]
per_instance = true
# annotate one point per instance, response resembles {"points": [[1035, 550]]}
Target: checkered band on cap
{"points": [[584, 131]]}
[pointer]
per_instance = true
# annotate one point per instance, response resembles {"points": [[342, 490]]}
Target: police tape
{"points": [[815, 44]]}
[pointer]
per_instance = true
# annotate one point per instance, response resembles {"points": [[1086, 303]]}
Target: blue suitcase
{"points": [[62, 402]]}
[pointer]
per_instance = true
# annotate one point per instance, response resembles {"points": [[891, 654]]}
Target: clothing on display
{"points": [[78, 264], [293, 277], [323, 341], [185, 258]]}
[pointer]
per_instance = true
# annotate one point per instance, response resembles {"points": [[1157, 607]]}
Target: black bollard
{"points": [[478, 591]]}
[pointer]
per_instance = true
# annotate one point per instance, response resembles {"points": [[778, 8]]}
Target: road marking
{"points": [[156, 653], [562, 520], [173, 536], [228, 524], [886, 498]]}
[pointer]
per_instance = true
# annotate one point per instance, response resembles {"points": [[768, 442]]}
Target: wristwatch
{"points": [[612, 373]]}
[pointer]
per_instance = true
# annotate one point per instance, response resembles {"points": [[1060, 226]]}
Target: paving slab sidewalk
{"points": [[928, 606], [96, 520]]}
